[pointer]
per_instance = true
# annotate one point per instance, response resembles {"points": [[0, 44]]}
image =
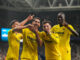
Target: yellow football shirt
{"points": [[29, 45], [64, 35], [14, 44], [51, 43]]}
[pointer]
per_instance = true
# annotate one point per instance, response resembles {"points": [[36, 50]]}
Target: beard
{"points": [[35, 25]]}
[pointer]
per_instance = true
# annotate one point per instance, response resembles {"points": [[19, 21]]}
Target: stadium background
{"points": [[45, 9]]}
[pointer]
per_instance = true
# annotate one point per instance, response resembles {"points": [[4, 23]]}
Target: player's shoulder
{"points": [[25, 29], [39, 32], [55, 26], [42, 33], [70, 25], [10, 30]]}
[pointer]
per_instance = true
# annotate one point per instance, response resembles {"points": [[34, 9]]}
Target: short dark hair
{"points": [[13, 21], [46, 21], [62, 13], [36, 18]]}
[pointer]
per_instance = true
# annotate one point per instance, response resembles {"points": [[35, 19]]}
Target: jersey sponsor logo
{"points": [[60, 32]]}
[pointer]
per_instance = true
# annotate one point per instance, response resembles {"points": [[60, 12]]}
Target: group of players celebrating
{"points": [[56, 39]]}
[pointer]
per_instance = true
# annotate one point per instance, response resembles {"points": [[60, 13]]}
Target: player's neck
{"points": [[60, 25]]}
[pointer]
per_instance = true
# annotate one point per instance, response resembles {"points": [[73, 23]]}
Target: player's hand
{"points": [[30, 17], [65, 23], [29, 26], [32, 28], [47, 31]]}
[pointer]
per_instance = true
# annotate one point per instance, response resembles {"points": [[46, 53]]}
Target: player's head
{"points": [[14, 23], [61, 17], [46, 25], [36, 22]]}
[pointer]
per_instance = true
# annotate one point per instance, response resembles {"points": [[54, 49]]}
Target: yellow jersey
{"points": [[51, 43], [14, 44], [29, 45], [64, 34]]}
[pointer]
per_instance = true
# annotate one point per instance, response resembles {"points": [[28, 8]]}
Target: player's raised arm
{"points": [[73, 31], [30, 17], [22, 27]]}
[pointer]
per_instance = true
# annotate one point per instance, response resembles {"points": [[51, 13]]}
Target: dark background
{"points": [[72, 17]]}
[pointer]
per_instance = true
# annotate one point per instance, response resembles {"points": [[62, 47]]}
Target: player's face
{"points": [[46, 26], [36, 22], [60, 18], [15, 24]]}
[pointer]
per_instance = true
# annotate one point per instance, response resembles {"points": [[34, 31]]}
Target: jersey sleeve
{"points": [[53, 28], [54, 37], [9, 34], [71, 28]]}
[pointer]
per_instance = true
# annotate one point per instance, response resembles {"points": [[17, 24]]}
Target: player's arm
{"points": [[51, 36], [73, 31], [39, 41], [30, 17], [54, 38], [21, 27]]}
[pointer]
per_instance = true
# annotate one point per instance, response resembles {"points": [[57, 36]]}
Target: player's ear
{"points": [[12, 26]]}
